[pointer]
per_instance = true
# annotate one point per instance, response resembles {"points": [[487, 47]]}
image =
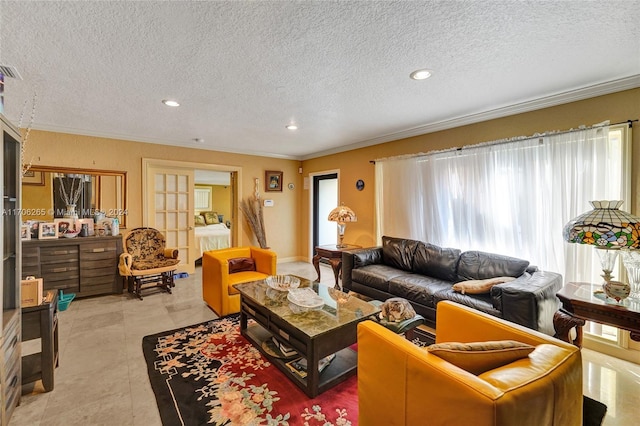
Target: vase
{"points": [[71, 212], [631, 261]]}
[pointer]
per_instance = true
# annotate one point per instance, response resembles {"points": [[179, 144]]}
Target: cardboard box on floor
{"points": [[31, 292]]}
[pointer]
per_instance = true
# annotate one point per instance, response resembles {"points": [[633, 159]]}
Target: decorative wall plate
{"points": [[291, 186], [360, 185]]}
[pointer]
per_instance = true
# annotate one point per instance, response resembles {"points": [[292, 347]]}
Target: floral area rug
{"points": [[208, 374]]}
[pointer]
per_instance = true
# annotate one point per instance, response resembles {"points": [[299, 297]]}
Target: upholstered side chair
{"points": [[485, 371], [223, 268], [146, 261]]}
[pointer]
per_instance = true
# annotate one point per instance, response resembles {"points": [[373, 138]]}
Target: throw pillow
{"points": [[210, 218], [479, 286], [240, 264], [200, 220], [478, 357]]}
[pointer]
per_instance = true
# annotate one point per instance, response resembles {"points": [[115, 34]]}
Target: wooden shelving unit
{"points": [[10, 346]]}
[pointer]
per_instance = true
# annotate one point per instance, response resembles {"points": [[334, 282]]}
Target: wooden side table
{"points": [[333, 254], [583, 302], [41, 322]]}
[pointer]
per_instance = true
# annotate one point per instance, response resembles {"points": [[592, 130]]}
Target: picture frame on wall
{"points": [[47, 231], [32, 177], [273, 181]]}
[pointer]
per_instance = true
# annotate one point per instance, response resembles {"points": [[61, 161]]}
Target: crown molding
{"points": [[192, 145], [593, 91]]}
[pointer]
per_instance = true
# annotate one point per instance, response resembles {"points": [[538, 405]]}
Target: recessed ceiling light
{"points": [[198, 140], [291, 127], [420, 74], [169, 102]]}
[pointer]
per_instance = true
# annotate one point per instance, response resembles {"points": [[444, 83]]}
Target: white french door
{"points": [[169, 203]]}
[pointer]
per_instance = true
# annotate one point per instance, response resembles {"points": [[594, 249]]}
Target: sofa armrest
{"points": [[395, 378], [459, 323], [529, 300], [357, 258], [265, 260]]}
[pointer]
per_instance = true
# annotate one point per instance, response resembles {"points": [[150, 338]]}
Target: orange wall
{"points": [[67, 150], [287, 223], [355, 164]]}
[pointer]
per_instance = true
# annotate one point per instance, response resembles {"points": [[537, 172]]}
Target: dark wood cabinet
{"points": [[87, 266], [10, 347], [41, 322]]}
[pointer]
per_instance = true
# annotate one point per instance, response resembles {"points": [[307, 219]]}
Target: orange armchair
{"points": [[217, 283], [400, 383]]}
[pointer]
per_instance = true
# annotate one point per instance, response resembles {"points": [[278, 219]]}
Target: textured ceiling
{"points": [[242, 70]]}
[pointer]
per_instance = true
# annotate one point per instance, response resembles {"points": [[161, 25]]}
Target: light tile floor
{"points": [[102, 378]]}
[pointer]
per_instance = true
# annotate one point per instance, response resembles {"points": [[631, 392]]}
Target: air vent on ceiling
{"points": [[10, 71]]}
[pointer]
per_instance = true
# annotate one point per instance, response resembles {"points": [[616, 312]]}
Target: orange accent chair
{"points": [[400, 383], [217, 282]]}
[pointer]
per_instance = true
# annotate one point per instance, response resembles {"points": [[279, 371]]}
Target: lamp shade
{"points": [[605, 226], [342, 214]]}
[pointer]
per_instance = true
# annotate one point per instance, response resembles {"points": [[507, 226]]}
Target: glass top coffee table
{"points": [[313, 333]]}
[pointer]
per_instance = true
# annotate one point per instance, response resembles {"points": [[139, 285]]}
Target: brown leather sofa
{"points": [[400, 383], [424, 274]]}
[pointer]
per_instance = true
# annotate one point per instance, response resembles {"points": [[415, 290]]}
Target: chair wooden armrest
{"points": [[124, 264]]}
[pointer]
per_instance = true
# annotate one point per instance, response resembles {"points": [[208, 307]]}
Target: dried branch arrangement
{"points": [[252, 210]]}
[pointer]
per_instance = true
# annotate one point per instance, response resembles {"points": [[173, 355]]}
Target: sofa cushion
{"points": [[435, 261], [478, 265], [398, 252], [478, 357], [376, 276], [479, 286], [417, 288]]}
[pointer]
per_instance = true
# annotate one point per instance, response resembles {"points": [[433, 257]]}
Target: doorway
{"points": [[324, 199], [186, 226]]}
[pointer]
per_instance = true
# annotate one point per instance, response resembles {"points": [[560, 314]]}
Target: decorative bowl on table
{"points": [[305, 298], [71, 234], [616, 290], [283, 282]]}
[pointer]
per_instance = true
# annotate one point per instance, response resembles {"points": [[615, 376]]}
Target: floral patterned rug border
{"points": [[208, 374]]}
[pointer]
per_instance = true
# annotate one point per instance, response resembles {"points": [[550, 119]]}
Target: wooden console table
{"points": [[583, 302], [333, 254], [41, 322]]}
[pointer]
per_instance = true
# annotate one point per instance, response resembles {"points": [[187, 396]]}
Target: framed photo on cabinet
{"points": [[47, 230]]}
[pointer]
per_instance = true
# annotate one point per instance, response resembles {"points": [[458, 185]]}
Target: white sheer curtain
{"points": [[512, 198]]}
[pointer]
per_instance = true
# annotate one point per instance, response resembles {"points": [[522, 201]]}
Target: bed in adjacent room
{"points": [[212, 237]]}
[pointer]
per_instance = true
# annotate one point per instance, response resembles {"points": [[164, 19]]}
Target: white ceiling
{"points": [[242, 70], [212, 177]]}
